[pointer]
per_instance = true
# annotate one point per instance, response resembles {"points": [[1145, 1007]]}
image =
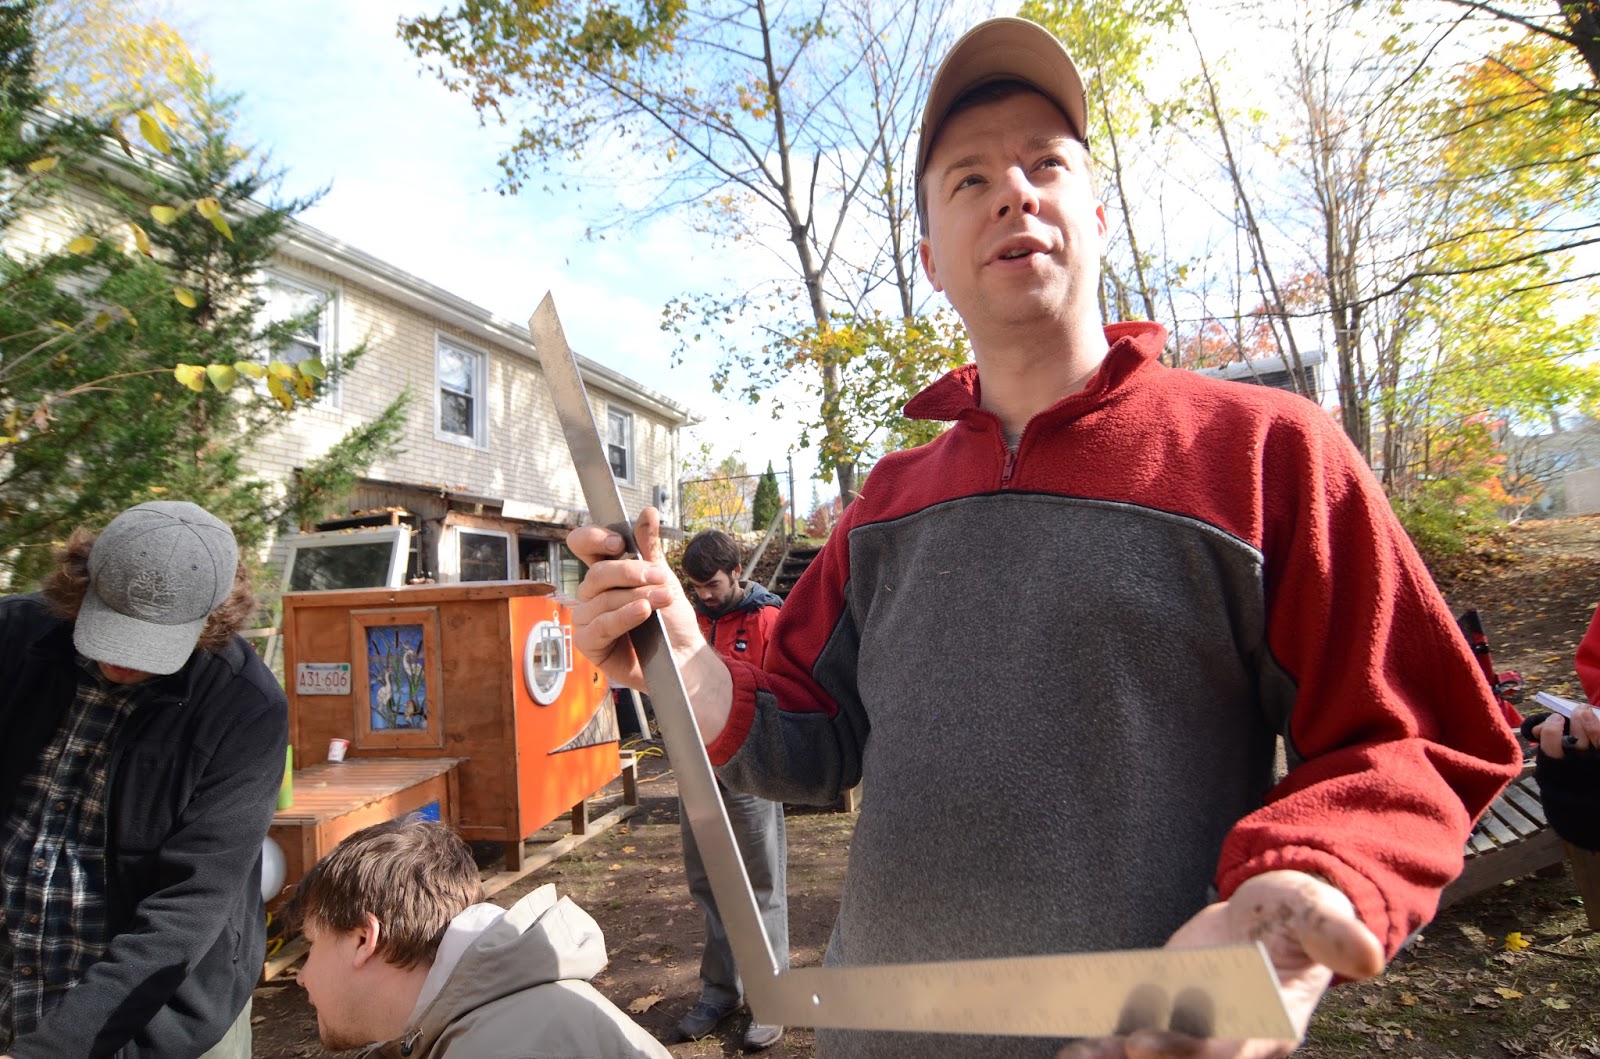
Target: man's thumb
{"points": [[1343, 944], [647, 535]]}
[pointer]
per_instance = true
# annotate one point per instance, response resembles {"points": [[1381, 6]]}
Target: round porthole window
{"points": [[546, 660]]}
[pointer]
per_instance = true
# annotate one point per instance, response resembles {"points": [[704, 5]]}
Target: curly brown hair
{"points": [[64, 589]]}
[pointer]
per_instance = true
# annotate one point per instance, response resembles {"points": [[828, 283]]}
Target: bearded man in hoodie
{"points": [[405, 957], [736, 617]]}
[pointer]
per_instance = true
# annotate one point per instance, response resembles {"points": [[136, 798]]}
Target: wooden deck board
{"points": [[1514, 818], [1496, 828], [1525, 796], [323, 792], [1512, 839]]}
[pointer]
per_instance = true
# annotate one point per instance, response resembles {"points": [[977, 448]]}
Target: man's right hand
{"points": [[617, 595]]}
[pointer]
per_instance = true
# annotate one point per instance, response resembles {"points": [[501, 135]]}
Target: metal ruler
{"points": [[1228, 992]]}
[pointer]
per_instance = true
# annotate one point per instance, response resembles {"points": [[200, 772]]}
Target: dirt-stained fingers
{"points": [[592, 544]]}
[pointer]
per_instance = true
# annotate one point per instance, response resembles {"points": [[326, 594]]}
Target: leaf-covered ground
{"points": [[1458, 992]]}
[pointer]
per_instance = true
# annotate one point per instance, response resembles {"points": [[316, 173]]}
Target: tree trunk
{"points": [[1583, 28]]}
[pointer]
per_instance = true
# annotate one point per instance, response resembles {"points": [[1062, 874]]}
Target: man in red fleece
{"points": [[1110, 586], [736, 617]]}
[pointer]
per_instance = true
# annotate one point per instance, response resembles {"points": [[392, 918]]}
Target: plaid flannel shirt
{"points": [[52, 859]]}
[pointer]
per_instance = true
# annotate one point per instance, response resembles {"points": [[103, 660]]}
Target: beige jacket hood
{"points": [[516, 986]]}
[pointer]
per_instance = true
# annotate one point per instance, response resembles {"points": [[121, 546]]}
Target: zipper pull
{"points": [[1011, 465]]}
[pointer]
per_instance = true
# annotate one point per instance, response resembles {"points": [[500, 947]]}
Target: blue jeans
{"points": [[758, 829]]}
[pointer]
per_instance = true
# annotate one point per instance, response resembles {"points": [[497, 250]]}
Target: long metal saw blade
{"points": [[697, 785], [1228, 992]]}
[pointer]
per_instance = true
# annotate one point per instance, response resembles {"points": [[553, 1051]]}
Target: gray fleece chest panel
{"points": [[1066, 711]]}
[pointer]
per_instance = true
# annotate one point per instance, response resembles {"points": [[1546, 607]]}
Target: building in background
{"points": [[481, 487], [1276, 373]]}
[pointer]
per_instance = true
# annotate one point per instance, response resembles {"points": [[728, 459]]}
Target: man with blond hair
{"points": [[405, 955]]}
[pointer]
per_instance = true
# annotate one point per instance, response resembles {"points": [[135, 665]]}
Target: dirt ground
{"points": [[1458, 992]]}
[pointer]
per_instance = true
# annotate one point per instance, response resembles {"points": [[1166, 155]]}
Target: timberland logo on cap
{"points": [[150, 595]]}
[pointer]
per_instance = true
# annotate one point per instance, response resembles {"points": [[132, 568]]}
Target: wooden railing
{"points": [[772, 529]]}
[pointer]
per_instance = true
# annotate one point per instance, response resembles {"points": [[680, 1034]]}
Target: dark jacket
{"points": [[192, 788], [1569, 786]]}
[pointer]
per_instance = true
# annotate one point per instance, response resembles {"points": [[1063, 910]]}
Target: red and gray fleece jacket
{"points": [[1061, 671]]}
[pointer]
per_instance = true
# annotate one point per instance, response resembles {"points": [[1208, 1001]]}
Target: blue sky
{"points": [[330, 91]]}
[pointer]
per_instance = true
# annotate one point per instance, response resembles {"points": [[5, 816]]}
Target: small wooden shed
{"points": [[482, 671]]}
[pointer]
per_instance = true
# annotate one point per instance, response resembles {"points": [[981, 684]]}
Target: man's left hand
{"points": [[1311, 933], [1558, 736]]}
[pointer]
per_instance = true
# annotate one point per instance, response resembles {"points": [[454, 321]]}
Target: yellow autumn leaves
{"points": [[207, 207], [211, 210], [1558, 1001], [152, 131], [154, 121], [285, 382]]}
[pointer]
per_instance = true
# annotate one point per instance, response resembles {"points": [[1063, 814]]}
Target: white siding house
{"points": [[482, 478]]}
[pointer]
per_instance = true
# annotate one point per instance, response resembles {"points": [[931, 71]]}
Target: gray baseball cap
{"points": [[155, 574]]}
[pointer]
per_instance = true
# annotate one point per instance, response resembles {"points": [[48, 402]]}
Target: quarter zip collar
{"points": [[957, 395]]}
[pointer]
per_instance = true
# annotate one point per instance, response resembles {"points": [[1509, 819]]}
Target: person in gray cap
{"points": [[1176, 572], [141, 748]]}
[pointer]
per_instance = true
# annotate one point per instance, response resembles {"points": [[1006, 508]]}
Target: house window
{"points": [[461, 383], [551, 562], [619, 443], [305, 315], [484, 555]]}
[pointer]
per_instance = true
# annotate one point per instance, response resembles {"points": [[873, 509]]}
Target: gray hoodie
{"points": [[514, 984]]}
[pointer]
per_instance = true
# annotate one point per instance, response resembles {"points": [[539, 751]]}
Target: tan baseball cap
{"points": [[1002, 49]]}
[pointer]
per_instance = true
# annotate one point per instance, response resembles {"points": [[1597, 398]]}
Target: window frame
{"points": [[630, 446], [328, 391], [480, 407], [451, 549], [547, 639], [362, 624], [399, 538], [568, 568]]}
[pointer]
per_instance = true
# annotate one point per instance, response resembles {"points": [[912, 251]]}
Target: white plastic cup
{"points": [[336, 749]]}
